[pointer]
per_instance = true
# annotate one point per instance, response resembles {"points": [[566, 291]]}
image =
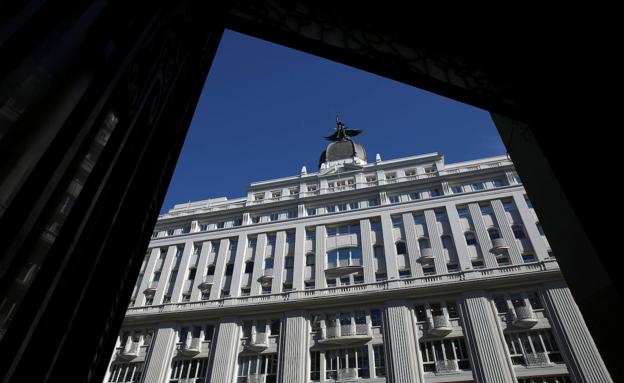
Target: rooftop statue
{"points": [[342, 133]]}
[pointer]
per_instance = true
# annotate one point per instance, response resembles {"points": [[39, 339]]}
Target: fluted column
{"points": [[401, 342], [182, 272], [224, 351], [258, 264], [201, 270], [584, 362], [491, 363], [147, 276], [411, 241], [278, 265], [239, 264], [435, 241], [219, 275], [482, 235], [164, 275], [528, 221], [366, 242], [458, 237], [319, 274], [392, 267], [300, 258], [505, 228], [160, 354], [294, 347]]}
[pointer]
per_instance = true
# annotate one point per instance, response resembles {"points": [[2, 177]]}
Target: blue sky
{"points": [[265, 109]]}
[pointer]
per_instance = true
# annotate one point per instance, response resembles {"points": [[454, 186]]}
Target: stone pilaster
{"points": [[411, 242], [584, 362], [483, 238], [224, 351], [256, 288], [160, 354], [528, 221], [182, 272], [239, 264], [164, 275], [201, 270], [389, 247], [491, 363], [366, 243], [147, 276], [400, 344], [436, 242], [278, 265], [319, 274], [294, 348], [219, 275], [300, 258], [506, 233], [458, 237]]}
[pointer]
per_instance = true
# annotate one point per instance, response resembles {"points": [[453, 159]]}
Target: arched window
{"points": [[494, 233], [401, 248], [423, 243], [470, 238], [518, 231]]}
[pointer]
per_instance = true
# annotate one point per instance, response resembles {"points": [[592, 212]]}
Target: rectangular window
{"points": [[238, 222], [330, 209], [311, 211], [414, 196], [258, 196], [292, 214], [354, 205], [245, 291], [452, 267], [393, 199], [125, 372], [220, 225], [499, 183], [342, 207], [456, 189], [309, 285], [380, 360], [428, 270], [421, 313], [477, 264], [435, 192], [229, 269], [477, 186], [315, 366], [186, 297], [273, 217], [449, 354], [404, 273], [357, 279], [276, 194], [373, 202], [379, 277], [249, 267], [533, 348], [375, 315]]}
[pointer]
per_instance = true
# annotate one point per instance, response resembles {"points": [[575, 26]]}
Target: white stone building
{"points": [[404, 270]]}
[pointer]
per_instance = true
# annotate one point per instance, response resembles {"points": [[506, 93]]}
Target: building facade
{"points": [[404, 270]]}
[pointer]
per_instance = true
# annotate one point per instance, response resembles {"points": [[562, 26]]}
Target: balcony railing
{"points": [[129, 351], [426, 255], [347, 333], [347, 375], [256, 378], [343, 267], [266, 278], [499, 246], [257, 342], [446, 366], [547, 265], [206, 284], [190, 347]]}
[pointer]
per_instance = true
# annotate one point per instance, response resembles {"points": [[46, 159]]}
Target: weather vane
{"points": [[342, 133]]}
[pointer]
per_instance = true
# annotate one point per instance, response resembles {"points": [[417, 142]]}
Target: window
{"points": [[287, 286], [310, 259], [225, 293], [255, 219], [373, 202], [393, 199], [375, 226], [498, 183], [149, 301], [346, 256], [186, 297], [354, 205], [238, 222], [477, 264], [375, 315], [429, 270], [518, 232], [254, 365], [391, 177], [371, 179], [477, 186], [330, 209], [440, 215], [249, 267], [311, 235], [294, 190], [456, 189], [268, 263], [315, 366], [493, 233], [292, 214], [429, 170], [452, 267], [258, 196], [539, 228], [404, 273], [203, 227], [273, 217], [309, 285], [170, 231], [423, 243], [276, 194], [191, 274], [312, 211], [435, 192], [463, 212], [410, 172], [401, 248], [342, 207], [125, 373], [220, 225], [312, 188], [211, 270], [229, 269], [350, 358], [380, 361], [357, 279], [397, 222], [289, 262], [343, 230], [414, 196], [381, 276], [266, 289], [421, 313], [155, 234], [533, 348], [434, 353], [528, 257], [546, 379], [471, 240], [245, 291], [509, 206]]}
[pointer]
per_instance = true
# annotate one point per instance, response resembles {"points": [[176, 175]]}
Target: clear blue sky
{"points": [[265, 109]]}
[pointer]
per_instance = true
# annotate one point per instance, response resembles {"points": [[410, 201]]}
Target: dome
{"points": [[342, 150]]}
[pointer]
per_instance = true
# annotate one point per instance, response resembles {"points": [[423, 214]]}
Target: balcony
{"points": [[498, 246], [539, 359], [266, 278], [524, 317], [426, 255], [347, 375], [440, 325], [257, 342], [343, 267], [190, 347], [129, 351], [151, 290], [206, 284], [346, 334]]}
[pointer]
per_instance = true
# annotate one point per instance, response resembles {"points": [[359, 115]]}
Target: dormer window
{"points": [[371, 179], [410, 172], [429, 170], [276, 194], [312, 188], [293, 190], [391, 177], [258, 196]]}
